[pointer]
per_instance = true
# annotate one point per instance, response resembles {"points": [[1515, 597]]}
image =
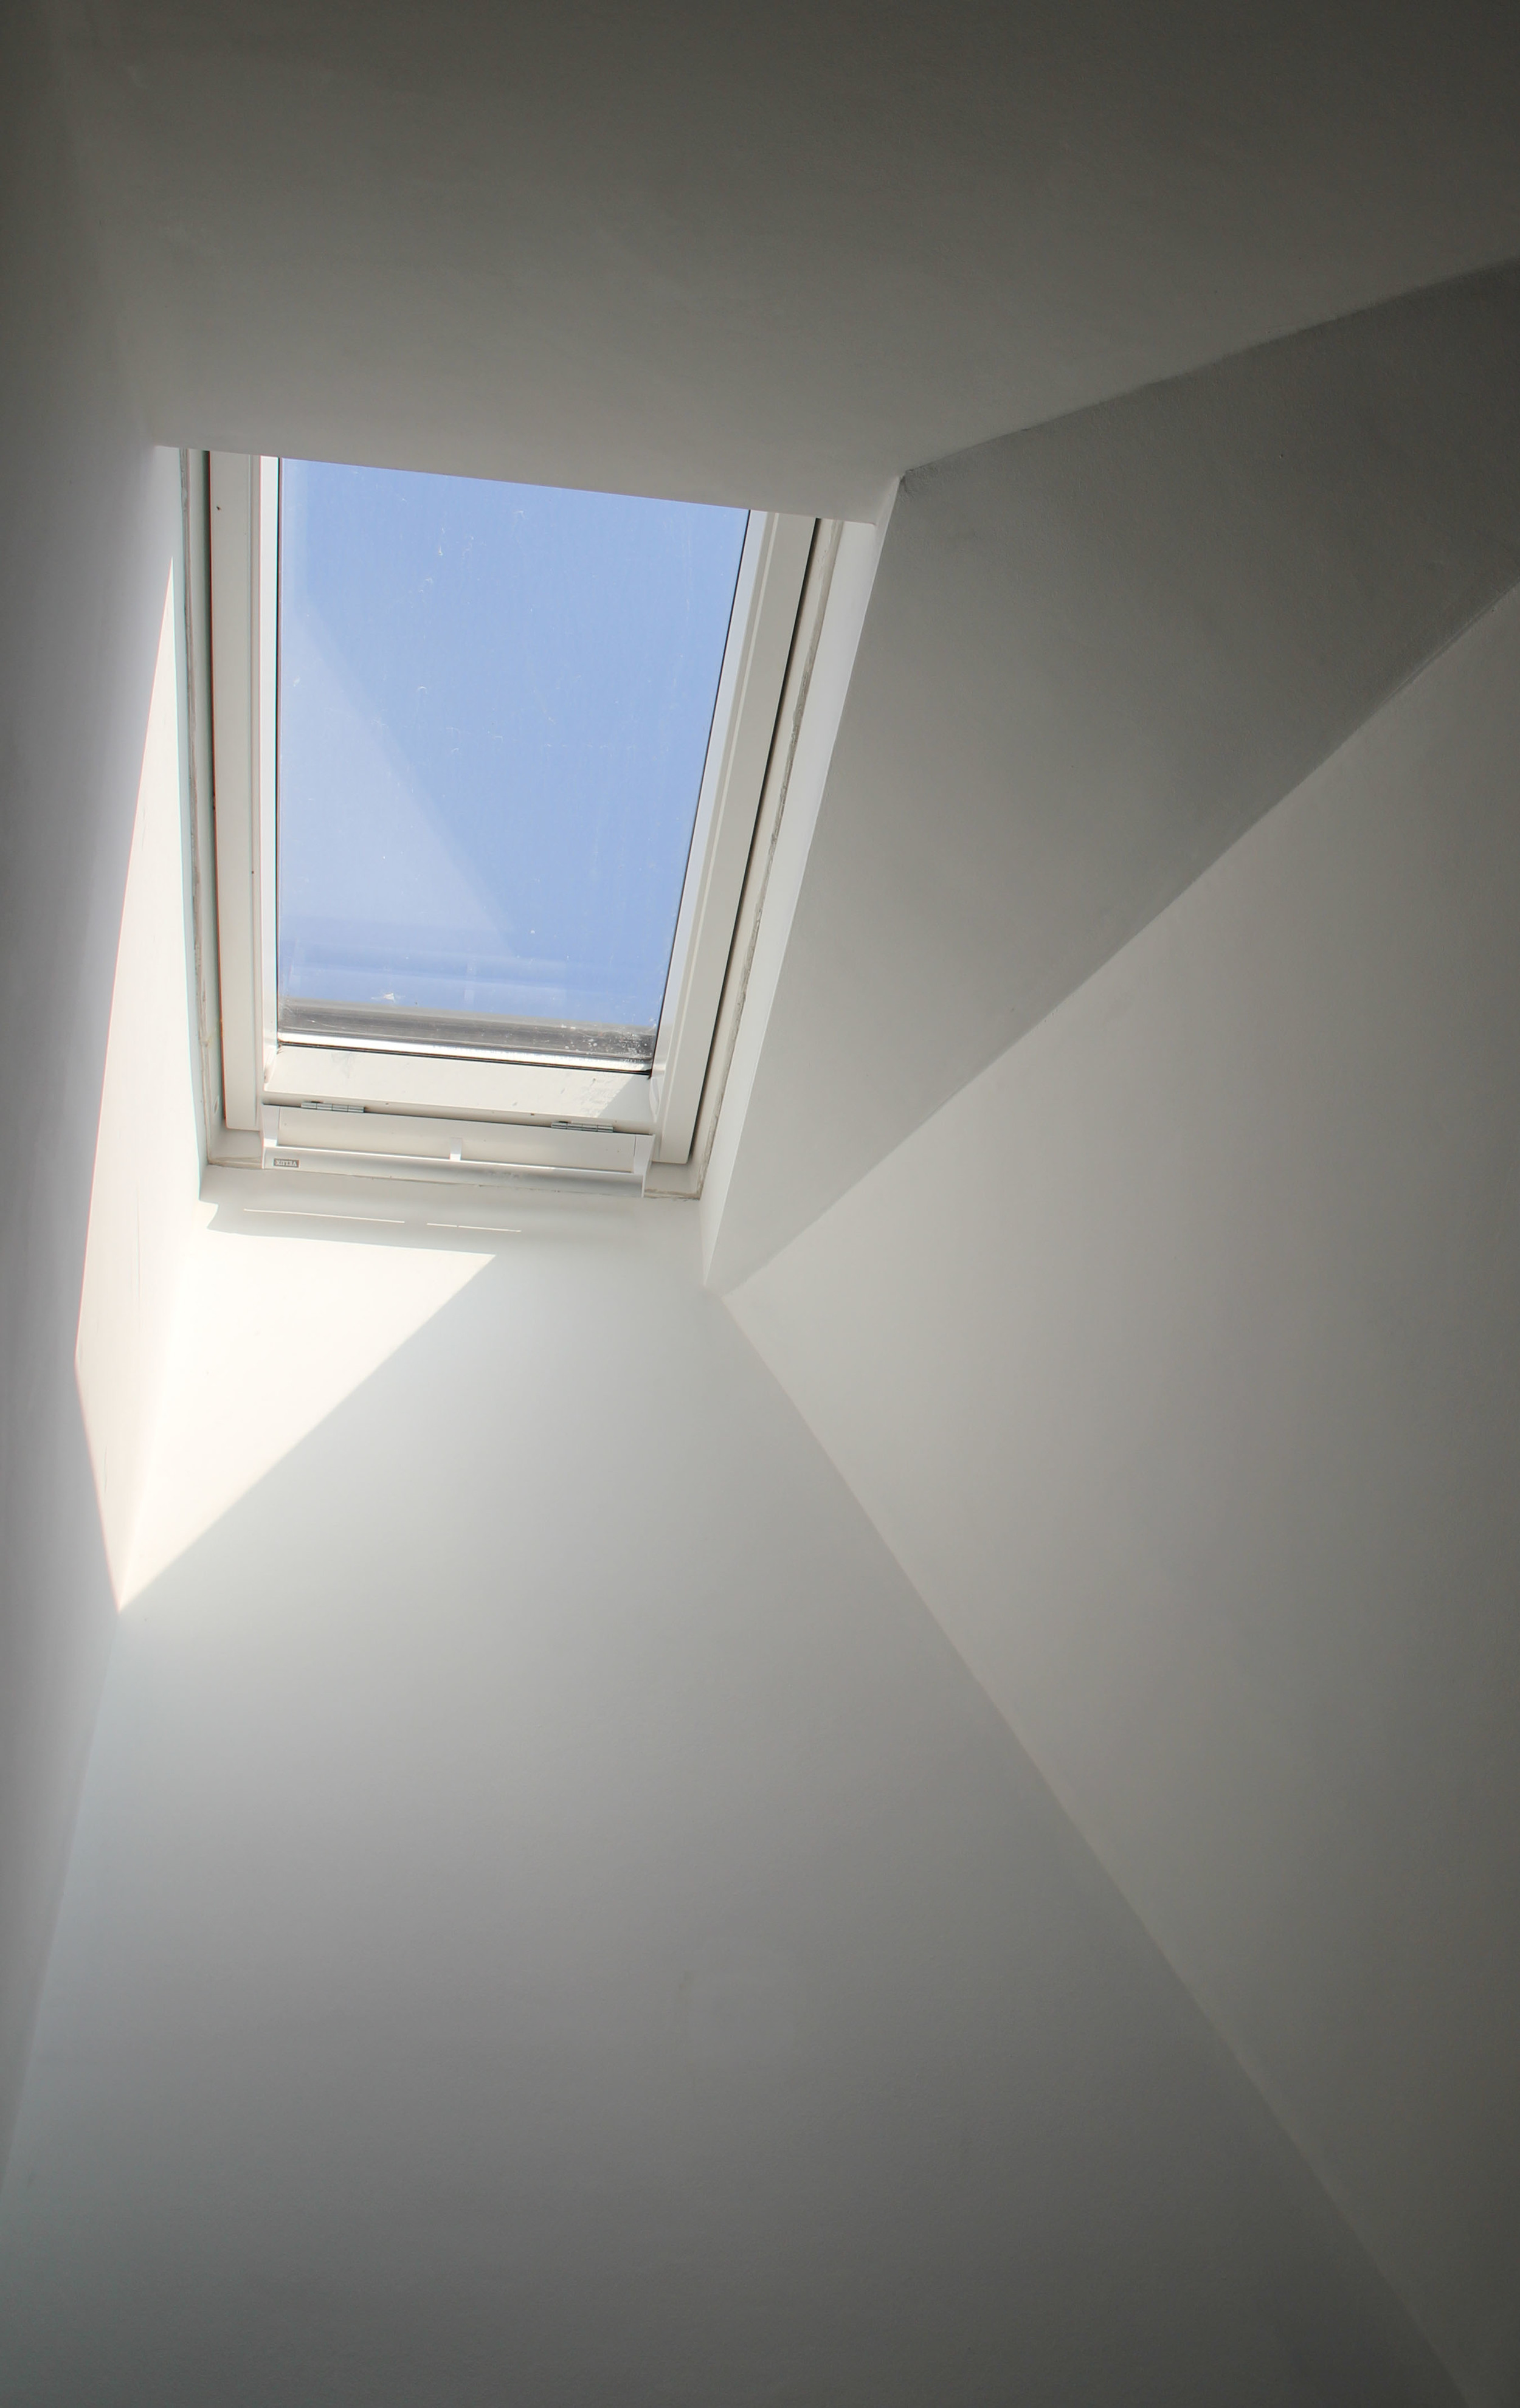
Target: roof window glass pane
{"points": [[495, 704]]}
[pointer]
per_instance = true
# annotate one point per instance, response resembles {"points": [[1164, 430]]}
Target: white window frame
{"points": [[331, 1106]]}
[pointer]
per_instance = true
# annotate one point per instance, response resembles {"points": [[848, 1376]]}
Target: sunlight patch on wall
{"points": [[146, 1174], [272, 1332]]}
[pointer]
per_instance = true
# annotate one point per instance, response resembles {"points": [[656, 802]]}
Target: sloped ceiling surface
{"points": [[1097, 652], [466, 1898], [1178, 1360], [768, 254], [507, 1959]]}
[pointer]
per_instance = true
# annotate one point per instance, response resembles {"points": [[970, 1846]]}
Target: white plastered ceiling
{"points": [[552, 1919], [768, 254], [1178, 1360], [1095, 652], [973, 2137]]}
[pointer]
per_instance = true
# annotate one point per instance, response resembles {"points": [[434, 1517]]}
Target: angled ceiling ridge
{"points": [[1095, 654], [1499, 275], [1167, 1360]]}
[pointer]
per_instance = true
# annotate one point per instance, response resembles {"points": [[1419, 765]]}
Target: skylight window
{"points": [[487, 761], [495, 706]]}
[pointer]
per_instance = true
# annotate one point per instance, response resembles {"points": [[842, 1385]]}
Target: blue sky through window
{"points": [[495, 704]]}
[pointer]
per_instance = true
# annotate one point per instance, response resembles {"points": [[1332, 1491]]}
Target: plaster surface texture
{"points": [[552, 1919], [1178, 1361], [1095, 654], [147, 1153], [91, 517], [552, 1915], [772, 255]]}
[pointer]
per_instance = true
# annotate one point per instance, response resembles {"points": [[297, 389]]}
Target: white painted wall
{"points": [[1178, 1361], [547, 1899], [775, 255], [90, 522], [1097, 651], [551, 1919], [270, 1330], [148, 1157]]}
